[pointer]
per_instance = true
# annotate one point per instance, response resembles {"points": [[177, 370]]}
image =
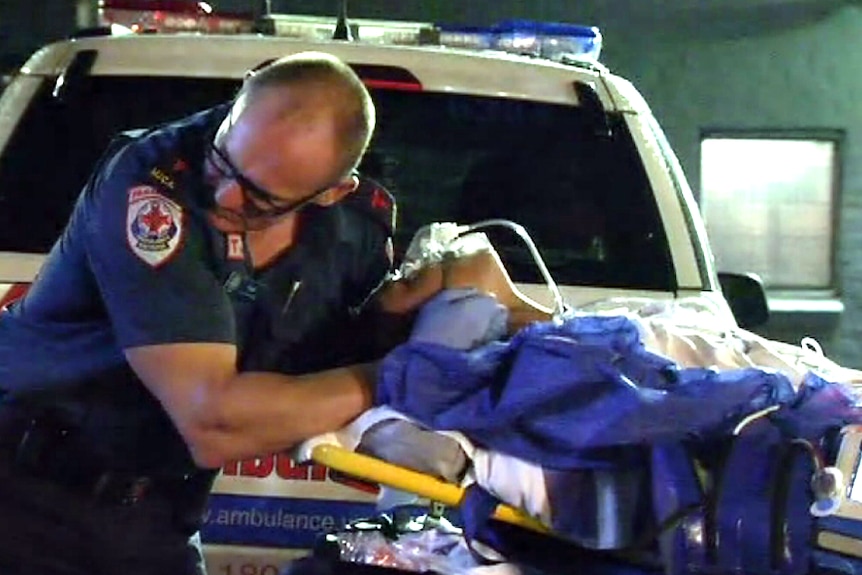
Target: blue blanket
{"points": [[573, 395]]}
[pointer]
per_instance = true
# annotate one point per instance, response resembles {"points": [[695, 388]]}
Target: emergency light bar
{"points": [[554, 41], [567, 43]]}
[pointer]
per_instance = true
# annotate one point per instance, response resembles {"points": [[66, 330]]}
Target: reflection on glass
{"points": [[768, 207]]}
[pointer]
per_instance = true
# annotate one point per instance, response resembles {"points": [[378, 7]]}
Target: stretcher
{"points": [[779, 492], [423, 485], [831, 546]]}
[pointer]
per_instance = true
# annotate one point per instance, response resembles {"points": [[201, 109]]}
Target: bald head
{"points": [[317, 90]]}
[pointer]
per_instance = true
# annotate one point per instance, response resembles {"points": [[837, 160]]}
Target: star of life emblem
{"points": [[154, 225]]}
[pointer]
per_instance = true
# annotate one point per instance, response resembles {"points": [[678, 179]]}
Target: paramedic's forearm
{"points": [[223, 415], [262, 413]]}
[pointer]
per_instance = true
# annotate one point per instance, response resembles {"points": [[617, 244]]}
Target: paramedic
{"points": [[176, 322]]}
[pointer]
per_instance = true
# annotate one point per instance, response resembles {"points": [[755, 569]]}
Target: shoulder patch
{"points": [[154, 225], [374, 200]]}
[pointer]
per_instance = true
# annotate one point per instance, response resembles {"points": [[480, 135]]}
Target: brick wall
{"points": [[800, 72]]}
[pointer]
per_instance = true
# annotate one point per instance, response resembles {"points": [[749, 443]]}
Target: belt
{"points": [[41, 447]]}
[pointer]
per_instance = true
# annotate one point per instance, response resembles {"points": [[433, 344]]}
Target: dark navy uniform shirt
{"points": [[138, 265]]}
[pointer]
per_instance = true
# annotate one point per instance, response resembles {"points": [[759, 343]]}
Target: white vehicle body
{"points": [[262, 504]]}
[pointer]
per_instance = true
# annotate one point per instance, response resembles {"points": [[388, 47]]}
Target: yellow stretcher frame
{"points": [[397, 477]]}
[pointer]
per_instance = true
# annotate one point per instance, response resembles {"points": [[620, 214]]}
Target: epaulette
{"points": [[163, 173], [375, 201]]}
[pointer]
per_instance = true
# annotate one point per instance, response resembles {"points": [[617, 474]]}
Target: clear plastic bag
{"points": [[432, 550]]}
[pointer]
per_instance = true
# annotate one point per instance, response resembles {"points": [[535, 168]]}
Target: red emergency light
{"points": [[176, 6], [173, 16]]}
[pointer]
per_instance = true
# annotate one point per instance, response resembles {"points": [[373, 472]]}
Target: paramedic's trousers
{"points": [[48, 528]]}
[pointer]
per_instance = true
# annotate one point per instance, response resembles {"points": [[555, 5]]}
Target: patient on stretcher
{"points": [[471, 304]]}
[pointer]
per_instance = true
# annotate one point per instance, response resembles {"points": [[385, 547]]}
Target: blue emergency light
{"points": [[552, 40]]}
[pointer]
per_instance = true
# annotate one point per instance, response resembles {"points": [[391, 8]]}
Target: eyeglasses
{"points": [[257, 202]]}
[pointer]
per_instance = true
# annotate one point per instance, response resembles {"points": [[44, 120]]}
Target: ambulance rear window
{"points": [[582, 194]]}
